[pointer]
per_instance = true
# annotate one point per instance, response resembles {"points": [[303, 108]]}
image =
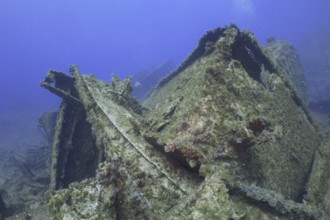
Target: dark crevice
{"points": [[82, 159], [119, 198], [250, 56], [175, 157]]}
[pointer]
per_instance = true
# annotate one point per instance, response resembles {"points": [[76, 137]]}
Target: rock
{"points": [[24, 177]]}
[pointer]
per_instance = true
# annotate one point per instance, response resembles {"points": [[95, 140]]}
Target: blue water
{"points": [[125, 36]]}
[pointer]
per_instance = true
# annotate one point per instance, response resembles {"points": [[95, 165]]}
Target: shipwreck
{"points": [[227, 135]]}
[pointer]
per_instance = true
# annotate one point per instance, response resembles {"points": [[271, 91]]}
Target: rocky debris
{"points": [[89, 199], [24, 176], [226, 135], [22, 186]]}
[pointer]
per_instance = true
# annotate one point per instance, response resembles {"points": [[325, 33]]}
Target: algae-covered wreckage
{"points": [[225, 136]]}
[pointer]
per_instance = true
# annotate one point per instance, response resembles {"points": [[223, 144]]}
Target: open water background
{"points": [[125, 36]]}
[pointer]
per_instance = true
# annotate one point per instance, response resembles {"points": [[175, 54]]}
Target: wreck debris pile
{"points": [[223, 133]]}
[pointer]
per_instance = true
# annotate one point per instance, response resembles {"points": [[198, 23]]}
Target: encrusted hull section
{"points": [[224, 136]]}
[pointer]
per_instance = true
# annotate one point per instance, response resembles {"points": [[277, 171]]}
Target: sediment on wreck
{"points": [[225, 135]]}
